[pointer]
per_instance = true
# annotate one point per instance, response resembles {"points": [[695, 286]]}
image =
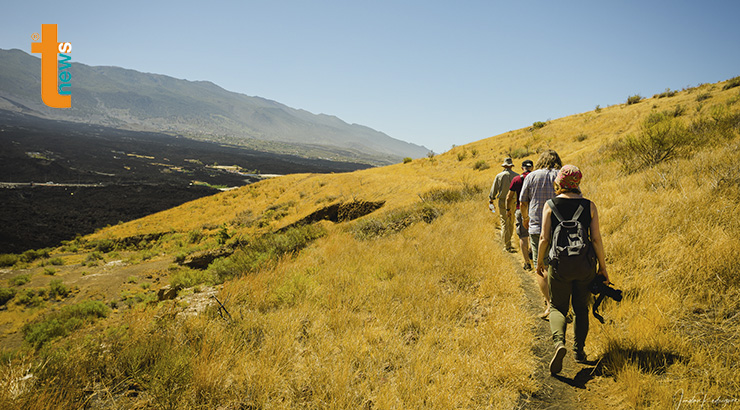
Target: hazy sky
{"points": [[435, 73]]}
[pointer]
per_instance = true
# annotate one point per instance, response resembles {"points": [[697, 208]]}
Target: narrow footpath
{"points": [[569, 389]]}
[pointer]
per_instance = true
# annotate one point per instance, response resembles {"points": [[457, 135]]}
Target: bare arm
{"points": [[511, 201], [544, 245], [598, 242], [524, 208]]}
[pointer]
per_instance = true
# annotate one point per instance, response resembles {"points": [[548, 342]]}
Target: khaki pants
{"points": [[507, 224]]}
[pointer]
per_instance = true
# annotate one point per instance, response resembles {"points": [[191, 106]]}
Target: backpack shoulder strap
{"points": [[551, 204], [578, 213]]}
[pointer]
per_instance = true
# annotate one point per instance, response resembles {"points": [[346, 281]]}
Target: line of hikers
{"points": [[561, 227]]}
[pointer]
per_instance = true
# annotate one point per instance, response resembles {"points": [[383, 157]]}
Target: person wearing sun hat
{"points": [[569, 288], [498, 193], [513, 207]]}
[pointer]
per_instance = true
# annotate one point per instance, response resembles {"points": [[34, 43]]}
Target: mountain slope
{"points": [[124, 98], [388, 287]]}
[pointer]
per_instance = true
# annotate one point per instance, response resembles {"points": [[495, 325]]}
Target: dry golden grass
{"points": [[433, 316]]}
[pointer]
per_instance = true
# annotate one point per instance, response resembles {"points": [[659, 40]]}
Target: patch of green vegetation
{"points": [[58, 288], [62, 323], [634, 99], [6, 294], [732, 83], [481, 165], [19, 280], [664, 137], [406, 160], [31, 255], [265, 251], [537, 125], [8, 259], [667, 93]]}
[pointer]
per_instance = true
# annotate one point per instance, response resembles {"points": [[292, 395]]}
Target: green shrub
{"points": [[58, 288], [20, 280], [703, 96], [663, 137], [481, 165], [732, 83], [6, 294], [396, 221], [105, 245], [31, 255], [451, 195], [93, 258], [186, 278], [520, 153], [267, 250], [60, 324], [50, 271], [537, 125], [223, 233], [28, 297], [581, 137], [461, 155], [598, 108], [666, 93], [195, 236], [406, 160], [634, 99], [8, 259]]}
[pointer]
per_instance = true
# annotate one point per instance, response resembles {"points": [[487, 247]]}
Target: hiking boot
{"points": [[556, 364], [580, 356]]}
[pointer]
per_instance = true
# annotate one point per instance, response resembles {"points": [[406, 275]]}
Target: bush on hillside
{"points": [[664, 137], [667, 93], [260, 253], [396, 221], [517, 153], [634, 99], [481, 165], [732, 83], [702, 97], [20, 280], [6, 294], [8, 260], [62, 323]]}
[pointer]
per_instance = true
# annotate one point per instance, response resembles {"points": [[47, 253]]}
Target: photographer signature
{"points": [[702, 400]]}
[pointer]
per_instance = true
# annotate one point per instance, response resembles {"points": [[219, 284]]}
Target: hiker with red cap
{"points": [[571, 240]]}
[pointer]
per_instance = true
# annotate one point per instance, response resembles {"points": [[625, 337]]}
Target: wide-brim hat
{"points": [[508, 163]]}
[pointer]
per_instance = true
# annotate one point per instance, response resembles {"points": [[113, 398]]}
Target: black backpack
{"points": [[571, 251]]}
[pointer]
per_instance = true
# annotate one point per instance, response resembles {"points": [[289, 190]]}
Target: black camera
{"points": [[599, 287]]}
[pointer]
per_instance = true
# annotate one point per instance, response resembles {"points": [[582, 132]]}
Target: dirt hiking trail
{"points": [[577, 386]]}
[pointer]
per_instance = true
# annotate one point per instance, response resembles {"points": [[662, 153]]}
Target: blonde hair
{"points": [[559, 190], [548, 159]]}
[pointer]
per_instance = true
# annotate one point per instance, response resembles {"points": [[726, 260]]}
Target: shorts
{"points": [[521, 231]]}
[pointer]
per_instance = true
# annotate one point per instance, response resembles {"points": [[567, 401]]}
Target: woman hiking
{"points": [[570, 277]]}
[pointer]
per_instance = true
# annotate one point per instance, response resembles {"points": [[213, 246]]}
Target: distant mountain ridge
{"points": [[124, 98]]}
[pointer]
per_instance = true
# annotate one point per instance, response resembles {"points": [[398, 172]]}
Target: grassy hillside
{"points": [[387, 287]]}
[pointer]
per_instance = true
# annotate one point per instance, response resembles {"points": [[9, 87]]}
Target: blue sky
{"points": [[435, 73]]}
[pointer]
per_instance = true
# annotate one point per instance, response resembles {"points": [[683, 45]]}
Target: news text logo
{"points": [[55, 65]]}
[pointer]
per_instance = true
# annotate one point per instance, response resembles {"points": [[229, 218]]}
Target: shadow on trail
{"points": [[585, 375]]}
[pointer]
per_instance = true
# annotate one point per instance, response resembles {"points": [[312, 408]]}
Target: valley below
{"points": [[61, 179]]}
